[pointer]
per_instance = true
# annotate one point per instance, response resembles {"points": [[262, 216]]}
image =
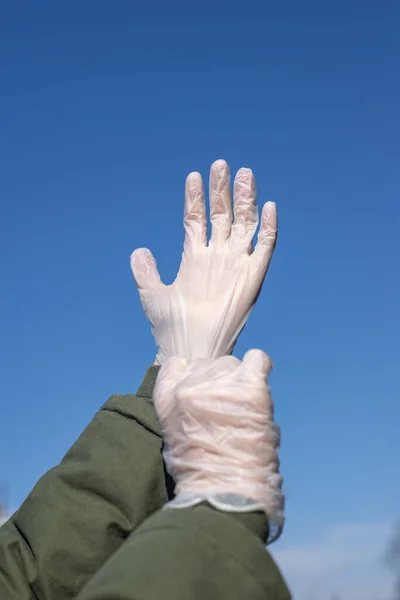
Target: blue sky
{"points": [[105, 108]]}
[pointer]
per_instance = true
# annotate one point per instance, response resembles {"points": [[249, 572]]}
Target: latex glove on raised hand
{"points": [[221, 443], [203, 312]]}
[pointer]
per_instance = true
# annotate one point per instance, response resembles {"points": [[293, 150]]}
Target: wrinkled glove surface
{"points": [[221, 443], [203, 312]]}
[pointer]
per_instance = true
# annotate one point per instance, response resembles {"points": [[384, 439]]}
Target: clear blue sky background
{"points": [[105, 108]]}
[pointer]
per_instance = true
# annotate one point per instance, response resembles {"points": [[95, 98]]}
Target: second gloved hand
{"points": [[221, 442]]}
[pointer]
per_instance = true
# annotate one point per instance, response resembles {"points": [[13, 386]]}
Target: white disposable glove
{"points": [[221, 442], [202, 313]]}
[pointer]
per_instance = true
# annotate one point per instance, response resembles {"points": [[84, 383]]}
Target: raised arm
{"points": [[81, 511], [222, 444]]}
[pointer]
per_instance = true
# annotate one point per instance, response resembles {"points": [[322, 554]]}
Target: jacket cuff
{"points": [[238, 536]]}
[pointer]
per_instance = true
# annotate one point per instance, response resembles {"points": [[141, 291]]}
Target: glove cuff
{"points": [[232, 503]]}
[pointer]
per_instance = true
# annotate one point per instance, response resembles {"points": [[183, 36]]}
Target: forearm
{"points": [[192, 554], [81, 511]]}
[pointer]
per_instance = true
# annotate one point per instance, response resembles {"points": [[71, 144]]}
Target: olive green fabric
{"points": [[195, 553], [75, 527], [80, 512]]}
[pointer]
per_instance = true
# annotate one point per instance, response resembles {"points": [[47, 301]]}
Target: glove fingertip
{"points": [[259, 362], [144, 268], [140, 255], [220, 165]]}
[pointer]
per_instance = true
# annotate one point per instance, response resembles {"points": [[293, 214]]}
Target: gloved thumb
{"points": [[144, 269], [258, 363]]}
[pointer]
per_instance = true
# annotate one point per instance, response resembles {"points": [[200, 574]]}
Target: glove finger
{"points": [[144, 269], [245, 210], [266, 237], [258, 363], [257, 366], [195, 221], [220, 203]]}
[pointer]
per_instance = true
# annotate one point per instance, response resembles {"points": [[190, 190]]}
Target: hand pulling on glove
{"points": [[202, 313], [221, 442]]}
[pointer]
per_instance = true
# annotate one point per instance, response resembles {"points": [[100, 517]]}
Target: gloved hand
{"points": [[202, 313], [221, 442]]}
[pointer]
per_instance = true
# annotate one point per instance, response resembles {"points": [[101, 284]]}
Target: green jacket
{"points": [[75, 527]]}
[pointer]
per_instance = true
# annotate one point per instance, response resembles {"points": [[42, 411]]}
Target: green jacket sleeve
{"points": [[80, 512], [195, 553]]}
